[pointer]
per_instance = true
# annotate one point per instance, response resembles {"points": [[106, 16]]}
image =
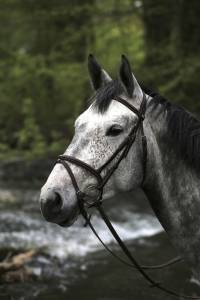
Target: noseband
{"points": [[119, 154]]}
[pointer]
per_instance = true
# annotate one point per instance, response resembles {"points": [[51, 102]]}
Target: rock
{"points": [[14, 267]]}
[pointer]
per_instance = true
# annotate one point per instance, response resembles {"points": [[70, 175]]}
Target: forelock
{"points": [[103, 96]]}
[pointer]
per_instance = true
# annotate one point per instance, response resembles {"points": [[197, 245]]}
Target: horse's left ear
{"points": [[99, 77], [128, 80]]}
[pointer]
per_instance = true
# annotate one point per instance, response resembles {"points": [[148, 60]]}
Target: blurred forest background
{"points": [[44, 86], [44, 46]]}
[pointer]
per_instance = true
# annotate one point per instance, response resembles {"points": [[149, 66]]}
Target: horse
{"points": [[167, 168]]}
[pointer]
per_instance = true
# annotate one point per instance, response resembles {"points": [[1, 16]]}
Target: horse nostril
{"points": [[58, 201], [54, 203]]}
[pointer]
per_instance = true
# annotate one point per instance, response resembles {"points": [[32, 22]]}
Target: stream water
{"points": [[73, 265]]}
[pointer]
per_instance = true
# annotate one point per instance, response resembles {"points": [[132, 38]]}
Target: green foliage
{"points": [[44, 46], [44, 82], [29, 137], [172, 42], [39, 103]]}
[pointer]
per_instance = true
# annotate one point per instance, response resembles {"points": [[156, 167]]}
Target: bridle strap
{"points": [[80, 198], [141, 112], [144, 267], [126, 251], [81, 164], [129, 140], [134, 262], [124, 147]]}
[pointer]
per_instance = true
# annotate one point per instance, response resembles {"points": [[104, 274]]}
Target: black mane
{"points": [[183, 128], [104, 95]]}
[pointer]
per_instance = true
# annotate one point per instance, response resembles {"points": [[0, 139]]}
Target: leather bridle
{"points": [[119, 154]]}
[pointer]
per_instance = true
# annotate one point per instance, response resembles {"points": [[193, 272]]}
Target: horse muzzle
{"points": [[56, 209]]}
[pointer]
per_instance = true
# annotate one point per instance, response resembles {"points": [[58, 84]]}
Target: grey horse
{"points": [[173, 159]]}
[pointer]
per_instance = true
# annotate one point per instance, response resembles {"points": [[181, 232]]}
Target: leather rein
{"points": [[120, 153]]}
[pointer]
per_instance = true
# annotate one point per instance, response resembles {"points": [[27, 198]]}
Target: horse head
{"points": [[99, 133]]}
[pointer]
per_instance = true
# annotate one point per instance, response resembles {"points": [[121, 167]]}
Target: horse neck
{"points": [[172, 187]]}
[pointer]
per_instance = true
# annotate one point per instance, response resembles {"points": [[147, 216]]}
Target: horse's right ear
{"points": [[99, 77]]}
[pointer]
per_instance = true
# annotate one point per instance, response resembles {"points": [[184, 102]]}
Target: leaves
{"points": [[44, 83]]}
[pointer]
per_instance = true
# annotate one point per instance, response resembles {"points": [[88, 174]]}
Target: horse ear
{"points": [[99, 77], [128, 80]]}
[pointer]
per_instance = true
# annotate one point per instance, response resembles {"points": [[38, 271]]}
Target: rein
{"points": [[119, 154]]}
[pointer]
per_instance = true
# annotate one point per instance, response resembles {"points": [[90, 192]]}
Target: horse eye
{"points": [[114, 130]]}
